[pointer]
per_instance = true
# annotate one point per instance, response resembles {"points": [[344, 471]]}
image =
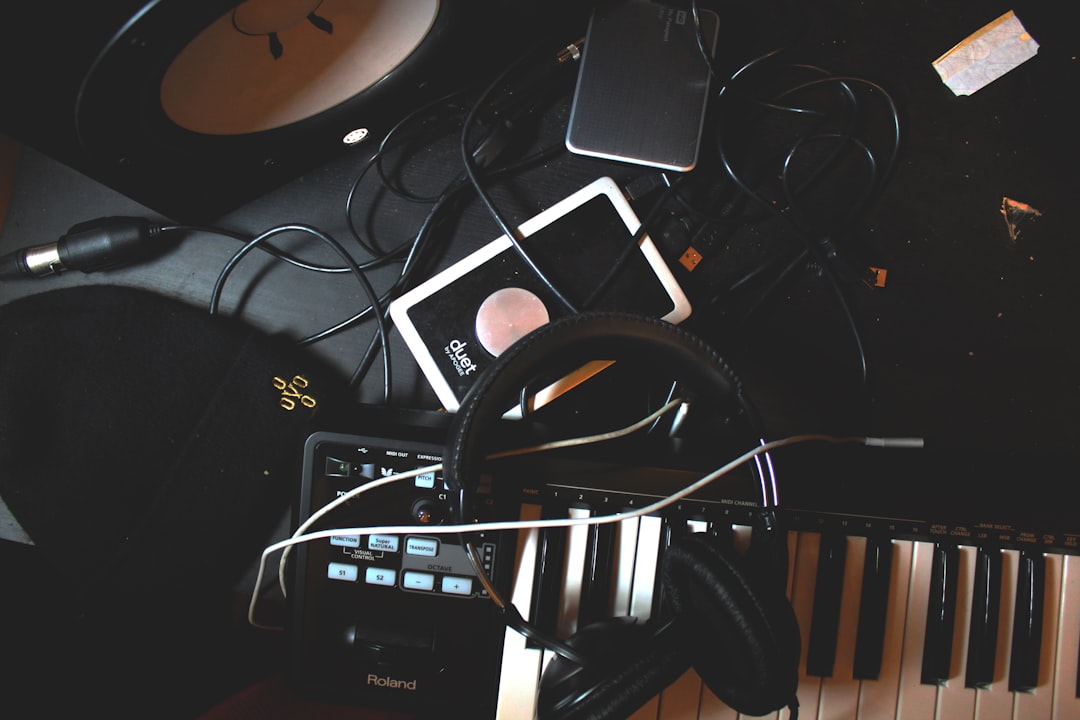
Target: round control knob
{"points": [[427, 511]]}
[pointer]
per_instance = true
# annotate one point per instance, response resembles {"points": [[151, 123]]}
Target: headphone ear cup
{"points": [[742, 636], [565, 344], [631, 662]]}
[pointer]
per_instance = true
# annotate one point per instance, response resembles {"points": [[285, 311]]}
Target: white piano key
{"points": [[840, 693], [648, 552], [1066, 704], [519, 677], [955, 700], [996, 702], [897, 694], [878, 699], [569, 600], [681, 700], [713, 708], [696, 526], [915, 700], [741, 538], [1039, 703], [792, 547], [641, 595], [626, 541], [648, 711], [805, 560]]}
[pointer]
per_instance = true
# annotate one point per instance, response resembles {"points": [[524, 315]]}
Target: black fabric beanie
{"points": [[149, 449]]}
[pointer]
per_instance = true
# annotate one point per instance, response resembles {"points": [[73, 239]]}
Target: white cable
{"points": [[543, 523], [340, 500], [553, 445]]}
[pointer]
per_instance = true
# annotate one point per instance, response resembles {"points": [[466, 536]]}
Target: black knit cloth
{"points": [[149, 449]]}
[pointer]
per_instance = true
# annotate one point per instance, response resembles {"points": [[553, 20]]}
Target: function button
{"points": [[428, 547], [455, 585], [418, 580], [341, 571], [345, 540], [380, 576], [385, 543], [426, 480]]}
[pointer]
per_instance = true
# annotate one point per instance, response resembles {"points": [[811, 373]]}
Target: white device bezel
{"points": [[399, 307]]}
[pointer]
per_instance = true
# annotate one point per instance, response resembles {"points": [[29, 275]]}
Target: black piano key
{"points": [[596, 583], [825, 618], [1027, 623], [940, 615], [768, 551], [985, 614], [723, 532], [547, 582], [873, 605]]}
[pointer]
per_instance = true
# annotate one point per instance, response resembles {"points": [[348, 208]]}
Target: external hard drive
{"points": [[643, 85]]}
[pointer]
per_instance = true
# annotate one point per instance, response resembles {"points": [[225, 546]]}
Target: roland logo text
{"points": [[389, 682]]}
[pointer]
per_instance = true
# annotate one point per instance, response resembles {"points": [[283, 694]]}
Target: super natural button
{"points": [[386, 543]]}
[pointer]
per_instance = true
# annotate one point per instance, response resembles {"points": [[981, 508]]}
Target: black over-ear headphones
{"points": [[725, 614]]}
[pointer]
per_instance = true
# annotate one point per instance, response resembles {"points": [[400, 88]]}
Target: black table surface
{"points": [[971, 339]]}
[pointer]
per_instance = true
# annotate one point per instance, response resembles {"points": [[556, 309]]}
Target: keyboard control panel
{"points": [[396, 620]]}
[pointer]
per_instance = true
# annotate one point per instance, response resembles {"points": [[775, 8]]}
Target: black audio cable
{"points": [[108, 243], [504, 122], [100, 244]]}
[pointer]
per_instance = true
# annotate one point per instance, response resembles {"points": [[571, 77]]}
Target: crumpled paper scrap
{"points": [[986, 55], [1016, 213]]}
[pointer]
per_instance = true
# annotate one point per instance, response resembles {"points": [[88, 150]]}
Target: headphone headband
{"points": [[583, 685], [568, 343]]}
